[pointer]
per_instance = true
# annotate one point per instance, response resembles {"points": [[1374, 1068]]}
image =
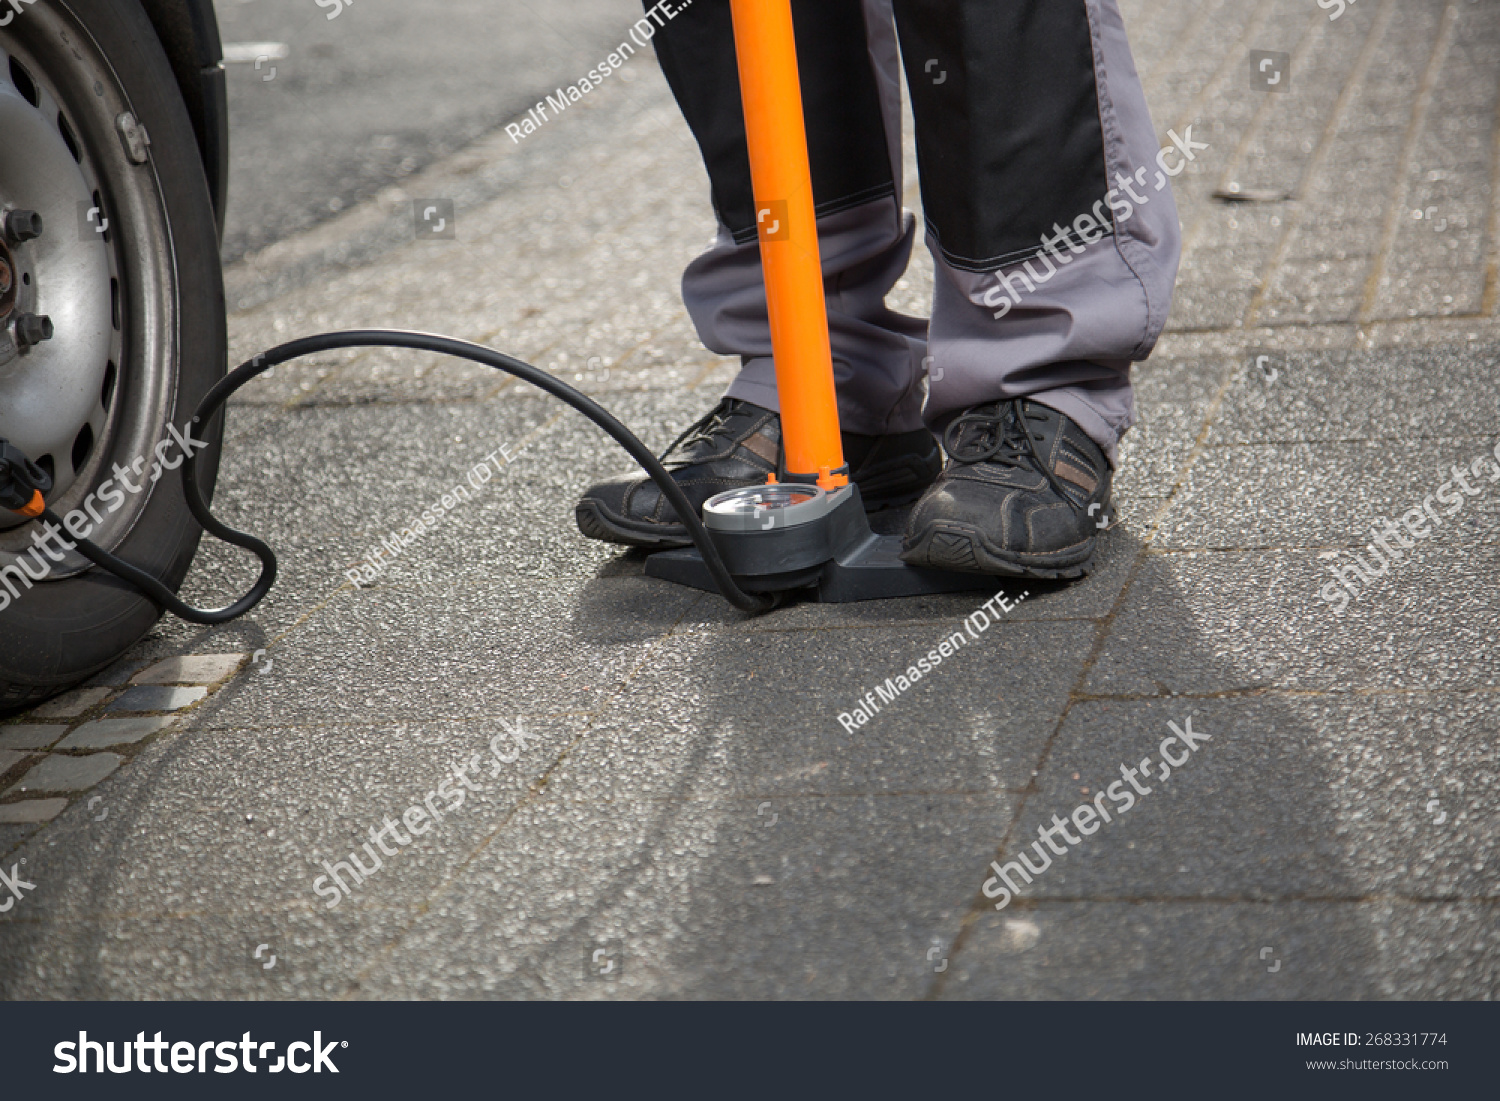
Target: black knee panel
{"points": [[1009, 140], [846, 137]]}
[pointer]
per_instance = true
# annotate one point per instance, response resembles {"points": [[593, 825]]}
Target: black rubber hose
{"points": [[426, 342], [165, 596]]}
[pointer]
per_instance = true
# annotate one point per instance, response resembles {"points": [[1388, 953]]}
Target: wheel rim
{"points": [[96, 395]]}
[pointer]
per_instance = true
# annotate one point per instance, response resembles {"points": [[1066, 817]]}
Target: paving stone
{"points": [[118, 675], [392, 461], [1203, 622], [1333, 494], [151, 698], [1130, 949], [57, 773], [1286, 796], [693, 721], [201, 669], [102, 733], [30, 736], [682, 887], [31, 810], [71, 704], [9, 758], [13, 834], [286, 799], [1369, 395], [320, 953], [516, 645]]}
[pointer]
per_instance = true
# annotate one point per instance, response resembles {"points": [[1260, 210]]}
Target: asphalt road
{"points": [[364, 99]]}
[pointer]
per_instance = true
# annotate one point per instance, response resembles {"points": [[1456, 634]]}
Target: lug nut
{"points": [[32, 329], [23, 225]]}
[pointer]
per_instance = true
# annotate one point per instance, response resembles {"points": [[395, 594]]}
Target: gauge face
{"points": [[766, 508], [761, 498]]}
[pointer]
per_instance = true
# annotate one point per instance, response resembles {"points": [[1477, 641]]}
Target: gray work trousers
{"points": [[1048, 204]]}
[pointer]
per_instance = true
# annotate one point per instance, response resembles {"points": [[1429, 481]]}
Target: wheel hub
{"points": [[55, 295]]}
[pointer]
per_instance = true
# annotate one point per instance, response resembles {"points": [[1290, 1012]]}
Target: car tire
{"points": [[94, 76]]}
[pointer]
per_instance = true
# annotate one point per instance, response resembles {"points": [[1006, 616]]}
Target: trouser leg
{"points": [[1051, 224], [1050, 221], [849, 66]]}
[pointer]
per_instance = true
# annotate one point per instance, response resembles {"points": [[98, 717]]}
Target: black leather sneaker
{"points": [[739, 444], [1024, 495]]}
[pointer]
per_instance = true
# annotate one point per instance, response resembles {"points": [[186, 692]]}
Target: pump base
{"points": [[873, 572], [835, 557]]}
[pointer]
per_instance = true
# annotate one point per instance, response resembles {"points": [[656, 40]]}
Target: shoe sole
{"points": [[597, 522], [959, 548]]}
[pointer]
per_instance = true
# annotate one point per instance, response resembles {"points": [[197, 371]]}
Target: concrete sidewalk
{"points": [[659, 797]]}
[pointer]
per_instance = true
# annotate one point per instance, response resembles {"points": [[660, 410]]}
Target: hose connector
{"points": [[23, 484]]}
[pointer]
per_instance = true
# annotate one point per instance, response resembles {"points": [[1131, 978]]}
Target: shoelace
{"points": [[999, 434], [704, 429], [711, 424]]}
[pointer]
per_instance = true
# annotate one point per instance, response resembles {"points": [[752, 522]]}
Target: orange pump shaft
{"points": [[782, 179]]}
